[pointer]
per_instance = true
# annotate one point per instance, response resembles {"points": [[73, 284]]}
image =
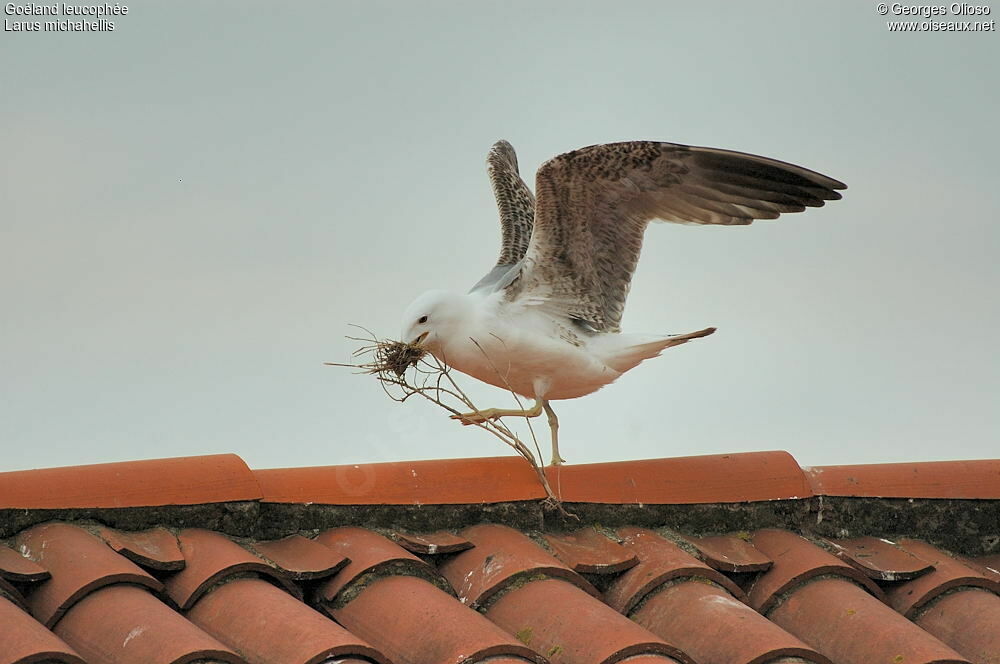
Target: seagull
{"points": [[544, 323]]}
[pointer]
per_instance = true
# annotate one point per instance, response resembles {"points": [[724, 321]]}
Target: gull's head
{"points": [[431, 318]]}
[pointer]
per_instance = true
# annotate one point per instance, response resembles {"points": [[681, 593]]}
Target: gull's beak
{"points": [[418, 340]]}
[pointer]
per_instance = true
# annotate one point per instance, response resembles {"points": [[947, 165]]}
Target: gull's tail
{"points": [[628, 357]]}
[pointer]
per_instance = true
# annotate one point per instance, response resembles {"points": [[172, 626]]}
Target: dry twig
{"points": [[404, 370]]}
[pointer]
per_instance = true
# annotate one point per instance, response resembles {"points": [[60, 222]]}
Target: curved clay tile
{"points": [[931, 479], [26, 641], [80, 563], [989, 565], [716, 478], [301, 558], [566, 625], [155, 548], [431, 544], [730, 553], [848, 625], [371, 556], [266, 624], [659, 562], [124, 624], [210, 558], [8, 590], [443, 482], [588, 551], [948, 573], [707, 622], [879, 558], [182, 481], [17, 568], [796, 560], [965, 619], [412, 621], [501, 557]]}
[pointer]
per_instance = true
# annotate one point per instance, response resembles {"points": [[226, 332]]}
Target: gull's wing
{"points": [[594, 205], [517, 212]]}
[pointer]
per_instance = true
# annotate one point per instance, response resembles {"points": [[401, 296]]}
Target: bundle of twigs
{"points": [[404, 370]]}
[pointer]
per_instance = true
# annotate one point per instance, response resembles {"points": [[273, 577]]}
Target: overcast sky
{"points": [[197, 205]]}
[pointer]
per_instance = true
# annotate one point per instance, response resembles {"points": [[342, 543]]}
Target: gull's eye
{"points": [[422, 320]]}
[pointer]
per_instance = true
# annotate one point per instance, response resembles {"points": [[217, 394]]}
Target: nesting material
{"points": [[394, 356], [404, 370]]}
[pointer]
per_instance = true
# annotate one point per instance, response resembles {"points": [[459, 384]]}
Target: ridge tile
{"points": [[212, 478]]}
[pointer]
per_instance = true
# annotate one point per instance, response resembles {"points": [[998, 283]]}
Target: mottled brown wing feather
{"points": [[514, 201], [594, 205]]}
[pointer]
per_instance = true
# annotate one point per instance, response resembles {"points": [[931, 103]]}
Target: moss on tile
{"points": [[235, 518], [277, 520], [970, 527]]}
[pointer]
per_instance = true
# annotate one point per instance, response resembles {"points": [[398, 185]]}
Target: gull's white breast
{"points": [[519, 348]]}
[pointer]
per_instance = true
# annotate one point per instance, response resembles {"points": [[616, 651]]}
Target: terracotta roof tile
{"points": [[15, 567], [266, 624], [181, 481], [660, 561], [562, 622], [26, 641], [8, 590], [879, 559], [796, 560], [155, 548], [371, 556], [730, 553], [210, 558], [257, 601], [589, 552], [845, 623], [947, 574], [991, 561], [720, 478], [932, 479], [704, 620], [431, 543], [500, 558], [302, 559], [988, 566], [966, 619], [451, 481], [79, 562], [124, 624], [413, 621]]}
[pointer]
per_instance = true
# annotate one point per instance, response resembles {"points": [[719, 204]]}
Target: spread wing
{"points": [[594, 205], [517, 212]]}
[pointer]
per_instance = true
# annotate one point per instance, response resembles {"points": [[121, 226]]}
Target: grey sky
{"points": [[196, 205]]}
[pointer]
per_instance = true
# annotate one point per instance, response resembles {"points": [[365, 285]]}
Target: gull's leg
{"points": [[554, 428], [480, 416]]}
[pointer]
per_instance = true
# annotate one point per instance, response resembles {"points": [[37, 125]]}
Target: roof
{"points": [[723, 559]]}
